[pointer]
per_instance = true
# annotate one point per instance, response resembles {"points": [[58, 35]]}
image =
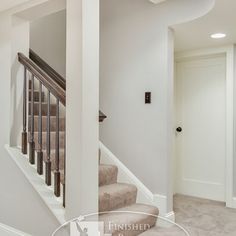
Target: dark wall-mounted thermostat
{"points": [[148, 97]]}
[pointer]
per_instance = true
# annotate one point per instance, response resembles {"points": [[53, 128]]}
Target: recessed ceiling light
{"points": [[218, 36]]}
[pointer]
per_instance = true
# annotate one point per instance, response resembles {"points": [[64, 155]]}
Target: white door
{"points": [[201, 113]]}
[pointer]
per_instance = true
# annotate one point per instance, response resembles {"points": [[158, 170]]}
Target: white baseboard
{"points": [[171, 216], [202, 189], [233, 205], [166, 221], [166, 218], [160, 201]]}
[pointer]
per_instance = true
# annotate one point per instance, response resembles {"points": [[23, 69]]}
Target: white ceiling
{"points": [[157, 1], [196, 34], [6, 4]]}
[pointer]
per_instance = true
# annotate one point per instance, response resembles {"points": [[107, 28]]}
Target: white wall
{"points": [[17, 197], [48, 40], [20, 206], [19, 43], [82, 141], [6, 4], [82, 116], [234, 166], [137, 56]]}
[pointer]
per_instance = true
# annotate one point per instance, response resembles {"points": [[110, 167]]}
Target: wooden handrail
{"points": [[44, 78], [102, 116], [47, 68], [52, 80]]}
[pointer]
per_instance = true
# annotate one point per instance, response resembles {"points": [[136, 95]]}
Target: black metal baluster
{"points": [[40, 141], [57, 176], [48, 163], [31, 142], [24, 133]]}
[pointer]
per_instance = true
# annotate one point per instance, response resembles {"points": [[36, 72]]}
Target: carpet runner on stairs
{"points": [[123, 216]]}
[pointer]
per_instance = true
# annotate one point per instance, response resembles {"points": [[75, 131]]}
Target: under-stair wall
{"points": [[21, 207]]}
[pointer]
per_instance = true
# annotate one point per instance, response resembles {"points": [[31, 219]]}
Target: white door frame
{"points": [[230, 61]]}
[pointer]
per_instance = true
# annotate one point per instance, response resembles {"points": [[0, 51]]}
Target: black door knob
{"points": [[179, 129]]}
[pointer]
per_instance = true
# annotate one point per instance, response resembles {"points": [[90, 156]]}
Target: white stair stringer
{"points": [[144, 195]]}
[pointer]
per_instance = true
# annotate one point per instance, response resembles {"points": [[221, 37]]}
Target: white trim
{"points": [[229, 125], [229, 51], [157, 1], [180, 56], [202, 189], [54, 204], [170, 220], [144, 196], [7, 229], [171, 216], [125, 175], [234, 202], [161, 202]]}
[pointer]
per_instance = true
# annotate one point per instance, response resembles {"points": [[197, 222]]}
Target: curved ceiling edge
{"points": [[203, 8]]}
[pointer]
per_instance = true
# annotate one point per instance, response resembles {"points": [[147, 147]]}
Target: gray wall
{"points": [[137, 56], [48, 40], [20, 205], [234, 179]]}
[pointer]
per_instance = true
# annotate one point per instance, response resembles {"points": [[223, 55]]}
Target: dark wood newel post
{"points": [[64, 184], [24, 133], [31, 142], [57, 176], [48, 174], [40, 141], [64, 194]]}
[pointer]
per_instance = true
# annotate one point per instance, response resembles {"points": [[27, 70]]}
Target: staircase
{"points": [[44, 111], [118, 208]]}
